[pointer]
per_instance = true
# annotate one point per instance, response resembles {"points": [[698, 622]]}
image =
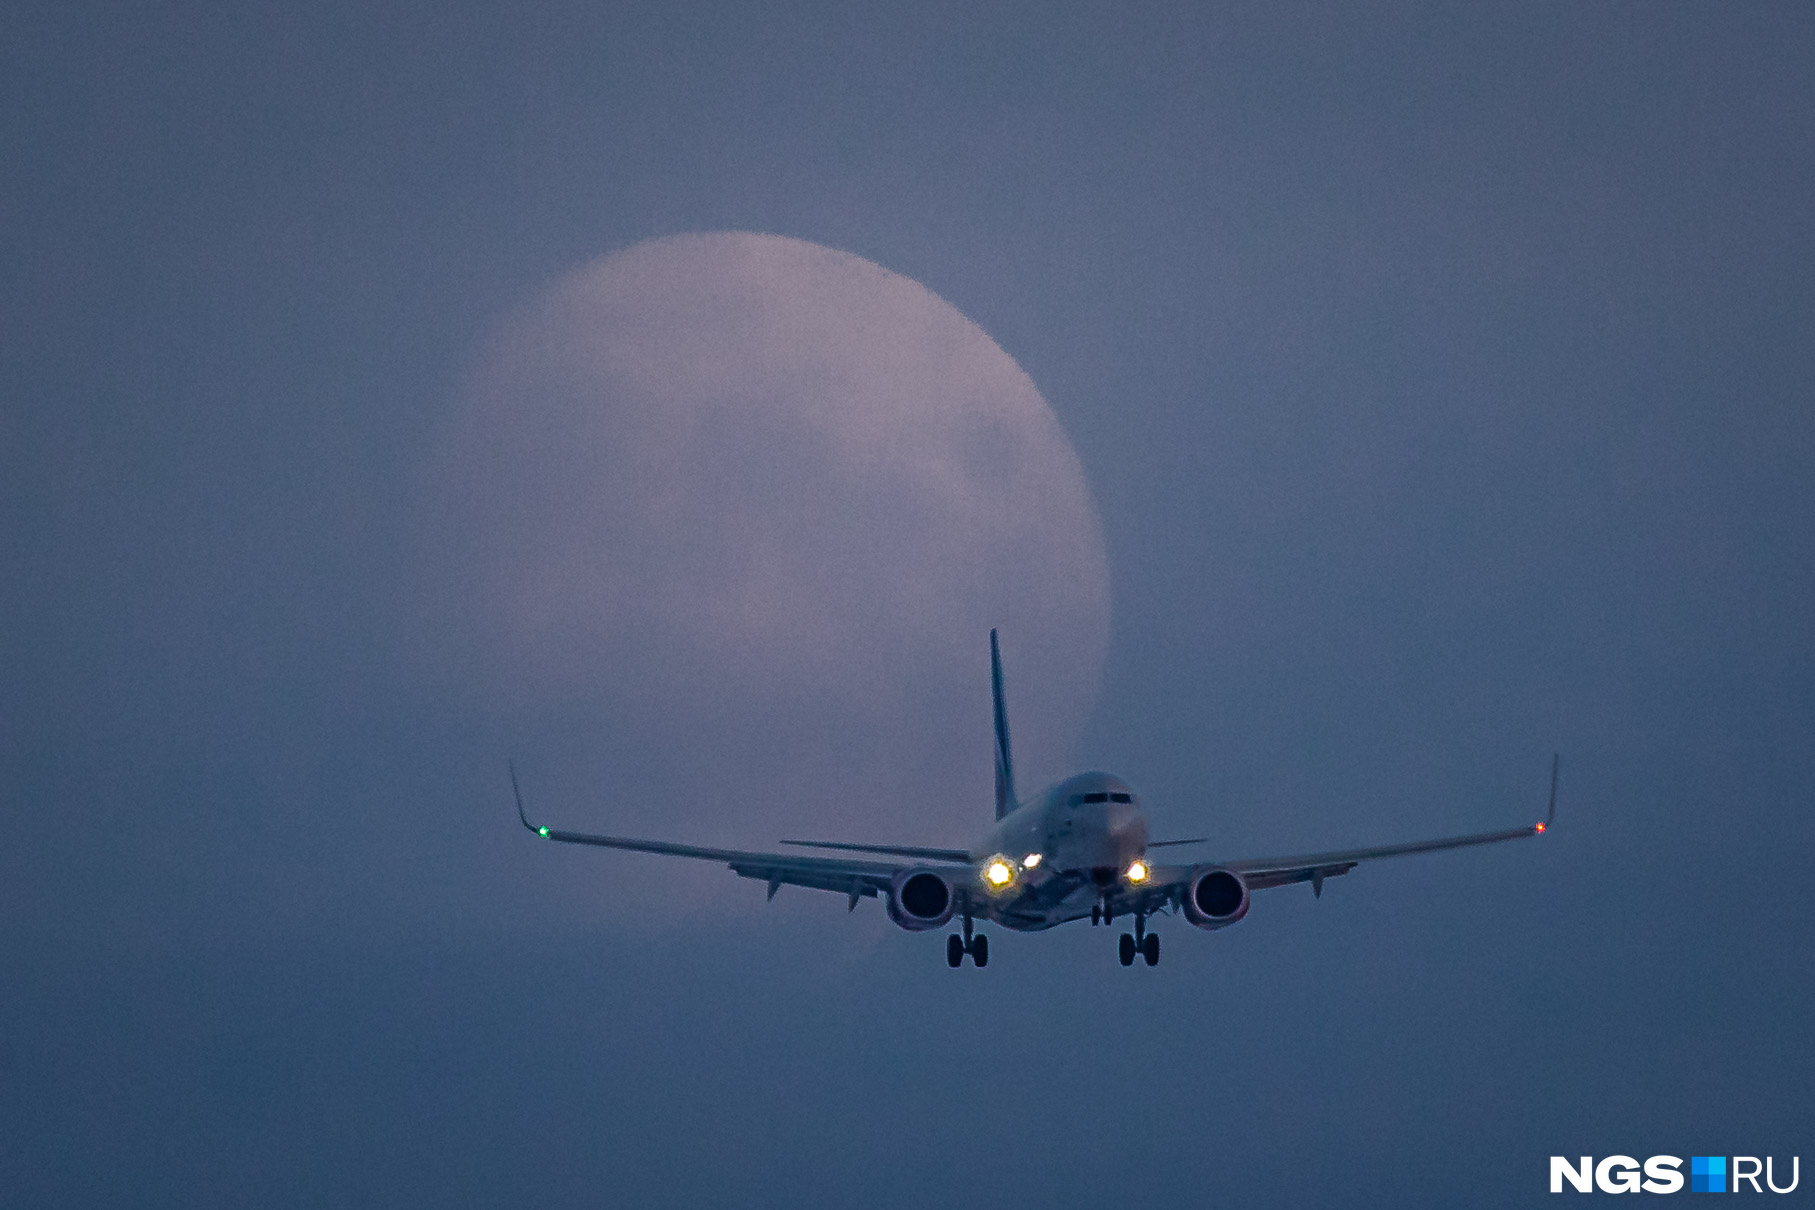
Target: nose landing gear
{"points": [[1141, 942]]}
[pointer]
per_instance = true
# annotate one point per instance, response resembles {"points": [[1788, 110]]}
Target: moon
{"points": [[756, 503]]}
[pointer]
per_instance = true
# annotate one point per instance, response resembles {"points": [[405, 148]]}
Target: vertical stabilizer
{"points": [[1005, 764]]}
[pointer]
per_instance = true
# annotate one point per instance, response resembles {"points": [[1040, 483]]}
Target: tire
{"points": [[1125, 950], [954, 951], [980, 950], [1150, 949]]}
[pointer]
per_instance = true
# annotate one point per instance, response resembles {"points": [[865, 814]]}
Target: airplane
{"points": [[1078, 849]]}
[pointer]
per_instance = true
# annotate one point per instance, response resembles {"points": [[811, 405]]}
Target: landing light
{"points": [[1032, 861], [1137, 871], [999, 873]]}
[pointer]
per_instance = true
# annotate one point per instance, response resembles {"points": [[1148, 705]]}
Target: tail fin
{"points": [[1005, 764]]}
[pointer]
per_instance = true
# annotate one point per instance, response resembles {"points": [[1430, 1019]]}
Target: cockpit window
{"points": [[1120, 798], [1099, 797]]}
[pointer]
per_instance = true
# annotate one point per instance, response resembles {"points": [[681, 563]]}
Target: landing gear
{"points": [[956, 947], [1096, 914], [976, 945], [1141, 942]]}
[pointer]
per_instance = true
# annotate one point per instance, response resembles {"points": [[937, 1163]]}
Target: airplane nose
{"points": [[1100, 839], [1126, 828]]}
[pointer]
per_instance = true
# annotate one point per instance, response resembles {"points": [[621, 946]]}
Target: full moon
{"points": [[760, 502]]}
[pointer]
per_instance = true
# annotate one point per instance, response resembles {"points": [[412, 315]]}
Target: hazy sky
{"points": [[1442, 377]]}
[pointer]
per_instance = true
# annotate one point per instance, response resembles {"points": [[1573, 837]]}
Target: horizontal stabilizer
{"points": [[892, 850]]}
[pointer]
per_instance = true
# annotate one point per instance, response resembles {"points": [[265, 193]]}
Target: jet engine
{"points": [[920, 900], [1215, 898]]}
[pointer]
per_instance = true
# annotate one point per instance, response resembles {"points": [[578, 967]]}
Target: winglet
{"points": [[521, 814], [1550, 814]]}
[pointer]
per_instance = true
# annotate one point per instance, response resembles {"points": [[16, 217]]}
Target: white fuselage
{"points": [[1069, 845]]}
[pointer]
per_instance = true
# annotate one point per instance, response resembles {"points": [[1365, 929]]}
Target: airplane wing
{"points": [[1263, 872], [850, 877], [1259, 873]]}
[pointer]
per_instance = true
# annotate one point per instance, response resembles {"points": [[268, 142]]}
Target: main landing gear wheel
{"points": [[1126, 949], [956, 948], [1150, 949]]}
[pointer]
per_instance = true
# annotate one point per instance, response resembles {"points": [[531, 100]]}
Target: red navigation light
{"points": [[1537, 827]]}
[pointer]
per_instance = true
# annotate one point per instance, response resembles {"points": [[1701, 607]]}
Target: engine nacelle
{"points": [[1215, 898], [920, 900]]}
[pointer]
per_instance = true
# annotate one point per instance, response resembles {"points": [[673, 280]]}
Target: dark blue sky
{"points": [[1443, 377]]}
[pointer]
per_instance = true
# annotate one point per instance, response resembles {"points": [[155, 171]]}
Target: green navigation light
{"points": [[544, 831]]}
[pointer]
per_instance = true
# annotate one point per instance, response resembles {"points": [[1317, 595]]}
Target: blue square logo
{"points": [[1707, 1174]]}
